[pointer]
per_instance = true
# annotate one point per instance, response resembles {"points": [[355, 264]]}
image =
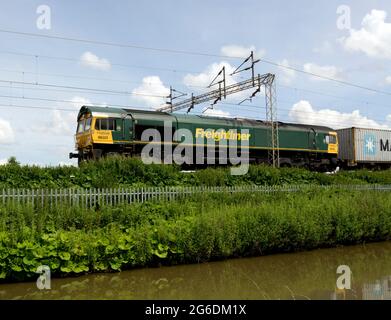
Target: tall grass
{"points": [[201, 228]]}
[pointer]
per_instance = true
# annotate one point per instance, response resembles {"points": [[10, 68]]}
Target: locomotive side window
{"points": [[103, 124], [111, 124], [118, 125], [108, 124], [331, 139]]}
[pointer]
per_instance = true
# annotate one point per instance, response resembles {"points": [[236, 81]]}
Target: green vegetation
{"points": [[194, 229], [126, 172]]}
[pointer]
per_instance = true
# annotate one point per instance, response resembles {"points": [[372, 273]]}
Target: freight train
{"points": [[103, 131], [364, 148]]}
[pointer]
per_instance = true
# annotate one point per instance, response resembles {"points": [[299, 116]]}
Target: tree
{"points": [[12, 161]]}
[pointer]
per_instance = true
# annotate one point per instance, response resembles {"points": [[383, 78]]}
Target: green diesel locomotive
{"points": [[103, 131]]}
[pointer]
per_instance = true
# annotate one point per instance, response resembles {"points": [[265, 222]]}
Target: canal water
{"points": [[303, 275]]}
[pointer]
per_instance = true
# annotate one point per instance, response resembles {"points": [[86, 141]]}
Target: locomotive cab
{"points": [[332, 142], [101, 133]]}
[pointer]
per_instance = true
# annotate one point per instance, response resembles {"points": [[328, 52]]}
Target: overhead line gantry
{"points": [[267, 81]]}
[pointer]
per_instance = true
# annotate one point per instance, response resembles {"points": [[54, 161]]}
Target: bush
{"points": [[114, 172]]}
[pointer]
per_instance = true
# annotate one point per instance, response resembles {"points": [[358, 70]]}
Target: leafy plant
{"points": [[114, 172], [200, 228]]}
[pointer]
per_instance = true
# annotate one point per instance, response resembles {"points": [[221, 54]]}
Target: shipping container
{"points": [[364, 146]]}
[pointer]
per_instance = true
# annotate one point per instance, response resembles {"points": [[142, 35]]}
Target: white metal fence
{"points": [[115, 196]]}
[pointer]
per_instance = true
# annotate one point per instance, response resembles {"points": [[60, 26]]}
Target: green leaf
{"points": [[78, 251], [110, 249], [16, 268], [160, 254], [124, 246], [104, 242], [38, 253], [66, 269], [63, 237], [162, 247], [100, 266], [80, 268], [115, 265], [54, 264], [176, 250], [64, 256], [28, 262]]}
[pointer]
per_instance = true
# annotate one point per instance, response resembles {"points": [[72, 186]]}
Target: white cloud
{"points": [[216, 113], [241, 52], [303, 112], [6, 132], [63, 123], [60, 123], [90, 60], [374, 37], [66, 164], [325, 71], [286, 75], [326, 48], [388, 80], [78, 102], [3, 162], [204, 78], [389, 118], [151, 92]]}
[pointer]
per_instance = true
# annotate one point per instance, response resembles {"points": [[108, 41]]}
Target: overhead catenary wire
{"points": [[128, 105], [165, 69], [227, 104], [250, 107], [119, 92], [333, 121], [80, 88], [114, 44], [71, 102], [187, 52], [196, 113], [133, 93], [79, 60], [190, 86]]}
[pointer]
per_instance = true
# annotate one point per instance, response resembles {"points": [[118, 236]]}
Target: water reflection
{"points": [[304, 275], [379, 290]]}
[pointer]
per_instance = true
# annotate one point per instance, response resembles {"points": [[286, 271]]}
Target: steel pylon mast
{"points": [[272, 122]]}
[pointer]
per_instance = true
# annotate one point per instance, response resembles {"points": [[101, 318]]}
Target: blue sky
{"points": [[301, 34]]}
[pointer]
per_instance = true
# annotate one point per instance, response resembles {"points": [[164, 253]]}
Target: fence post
{"points": [[97, 196]]}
